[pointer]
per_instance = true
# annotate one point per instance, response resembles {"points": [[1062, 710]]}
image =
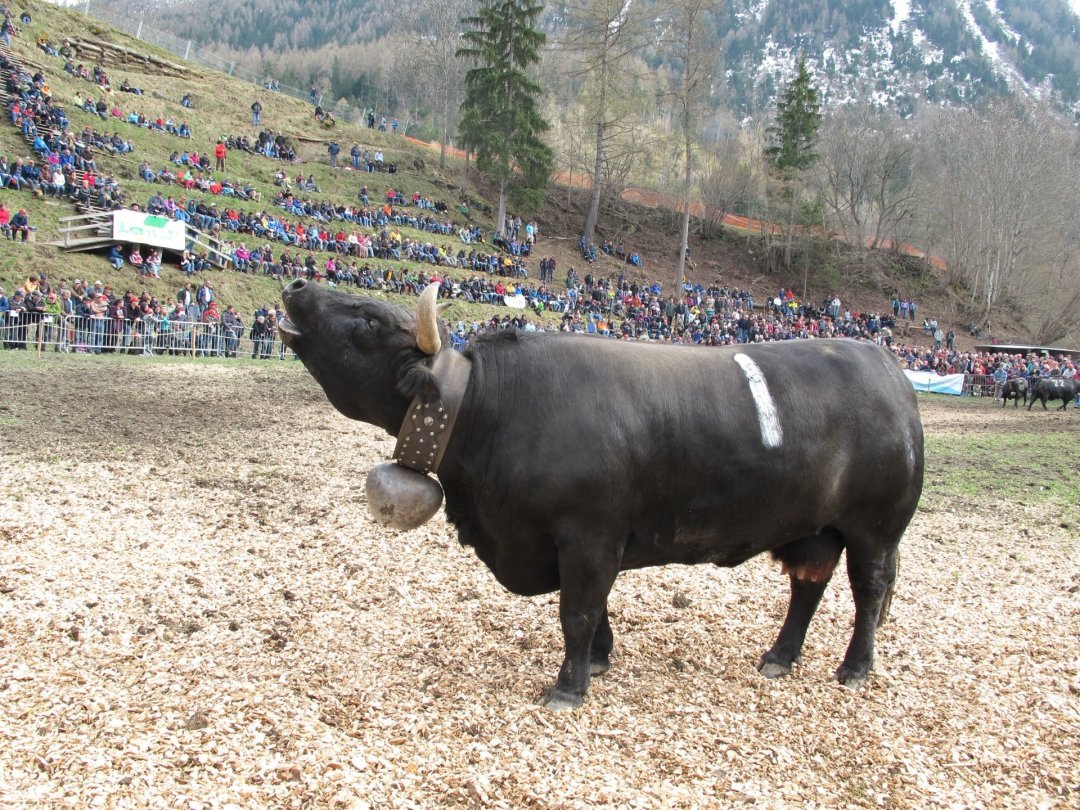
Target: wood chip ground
{"points": [[196, 612]]}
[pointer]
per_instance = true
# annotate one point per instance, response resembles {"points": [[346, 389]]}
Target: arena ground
{"points": [[195, 612]]}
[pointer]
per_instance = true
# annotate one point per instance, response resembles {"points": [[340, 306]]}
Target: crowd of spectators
{"points": [[65, 163], [112, 112], [85, 317], [92, 318], [1001, 366], [268, 143], [102, 107]]}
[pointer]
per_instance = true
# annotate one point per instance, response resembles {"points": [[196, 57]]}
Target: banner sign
{"points": [[933, 383], [145, 229]]}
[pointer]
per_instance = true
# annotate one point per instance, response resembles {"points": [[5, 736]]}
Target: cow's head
{"points": [[370, 357]]}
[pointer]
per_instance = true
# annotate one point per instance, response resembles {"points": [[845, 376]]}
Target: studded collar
{"points": [[429, 422]]}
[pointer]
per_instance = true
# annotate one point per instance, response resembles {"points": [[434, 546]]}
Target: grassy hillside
{"points": [[222, 107]]}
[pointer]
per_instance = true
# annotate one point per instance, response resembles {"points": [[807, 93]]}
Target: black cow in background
{"points": [[574, 458], [1051, 388], [1015, 389]]}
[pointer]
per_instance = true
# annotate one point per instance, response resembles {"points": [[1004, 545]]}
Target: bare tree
{"points": [[864, 174], [687, 43], [604, 35], [727, 181], [1005, 192], [434, 27]]}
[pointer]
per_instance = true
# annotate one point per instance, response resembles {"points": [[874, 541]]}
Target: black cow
{"points": [[1051, 388], [575, 458], [1015, 389]]}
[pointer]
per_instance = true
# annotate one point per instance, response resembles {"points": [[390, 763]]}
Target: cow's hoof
{"points": [[851, 678], [559, 701], [598, 665], [771, 669]]}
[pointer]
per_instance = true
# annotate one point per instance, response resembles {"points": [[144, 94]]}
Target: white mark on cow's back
{"points": [[772, 435]]}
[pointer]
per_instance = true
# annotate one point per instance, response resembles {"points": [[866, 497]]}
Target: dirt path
{"points": [[195, 612]]}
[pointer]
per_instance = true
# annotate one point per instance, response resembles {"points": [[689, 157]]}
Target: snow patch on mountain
{"points": [[902, 13], [1002, 65]]}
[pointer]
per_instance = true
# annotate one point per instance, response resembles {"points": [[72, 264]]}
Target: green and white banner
{"points": [[141, 228]]}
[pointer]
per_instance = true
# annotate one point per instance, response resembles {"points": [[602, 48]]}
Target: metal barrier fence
{"points": [[981, 385], [74, 333], [186, 49]]}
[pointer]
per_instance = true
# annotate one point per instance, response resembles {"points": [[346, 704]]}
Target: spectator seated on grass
{"points": [[20, 227], [152, 264], [117, 145]]}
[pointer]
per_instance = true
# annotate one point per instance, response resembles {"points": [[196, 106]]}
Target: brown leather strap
{"points": [[429, 422]]}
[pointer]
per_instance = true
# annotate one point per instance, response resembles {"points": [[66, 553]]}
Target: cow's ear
{"points": [[441, 308], [415, 380]]}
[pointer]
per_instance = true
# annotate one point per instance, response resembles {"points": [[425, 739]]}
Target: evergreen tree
{"points": [[500, 117], [792, 140], [798, 116]]}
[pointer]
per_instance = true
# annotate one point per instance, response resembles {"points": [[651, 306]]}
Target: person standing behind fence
{"points": [[99, 310], [210, 327], [184, 295], [259, 333], [205, 295], [233, 327], [272, 328], [15, 321], [51, 321]]}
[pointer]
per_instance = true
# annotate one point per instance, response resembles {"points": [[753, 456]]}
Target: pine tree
{"points": [[500, 117], [792, 140], [798, 116]]}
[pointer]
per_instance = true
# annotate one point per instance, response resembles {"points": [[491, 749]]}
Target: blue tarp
{"points": [[935, 383]]}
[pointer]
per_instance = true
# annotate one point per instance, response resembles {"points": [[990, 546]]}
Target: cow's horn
{"points": [[427, 321]]}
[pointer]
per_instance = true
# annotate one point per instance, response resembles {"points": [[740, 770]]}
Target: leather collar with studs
{"points": [[429, 422]]}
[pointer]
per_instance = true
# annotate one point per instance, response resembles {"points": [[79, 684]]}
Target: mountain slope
{"points": [[907, 52], [898, 54]]}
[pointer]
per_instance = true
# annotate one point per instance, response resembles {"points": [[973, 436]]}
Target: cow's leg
{"points": [[602, 644], [886, 602], [809, 563], [872, 572], [805, 597], [585, 580]]}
